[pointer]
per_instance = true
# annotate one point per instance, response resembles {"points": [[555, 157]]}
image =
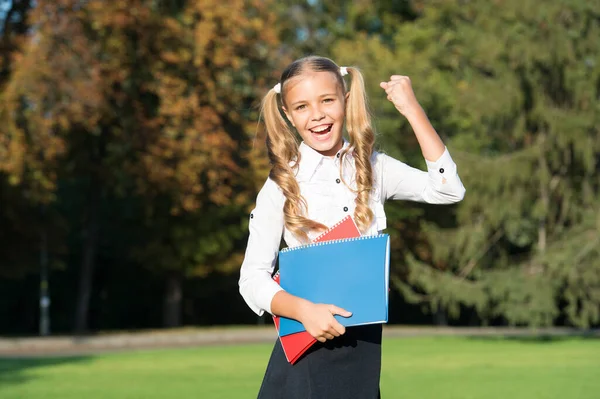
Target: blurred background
{"points": [[130, 155]]}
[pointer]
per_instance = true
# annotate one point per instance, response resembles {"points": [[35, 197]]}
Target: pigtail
{"points": [[362, 140], [282, 149]]}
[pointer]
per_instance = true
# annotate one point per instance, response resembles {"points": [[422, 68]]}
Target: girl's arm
{"points": [[399, 91], [441, 183], [317, 318], [256, 285], [266, 228]]}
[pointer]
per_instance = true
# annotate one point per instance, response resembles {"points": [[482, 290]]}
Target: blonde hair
{"points": [[282, 146]]}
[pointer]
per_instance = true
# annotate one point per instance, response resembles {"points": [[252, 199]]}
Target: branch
{"points": [[473, 262], [585, 250]]}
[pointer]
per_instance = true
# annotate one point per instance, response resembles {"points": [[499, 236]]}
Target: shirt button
{"points": [[441, 170], [345, 209], [337, 181]]}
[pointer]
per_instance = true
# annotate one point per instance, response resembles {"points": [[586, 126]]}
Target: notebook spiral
{"points": [[317, 244]]}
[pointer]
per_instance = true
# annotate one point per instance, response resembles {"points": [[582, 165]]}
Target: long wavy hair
{"points": [[282, 145]]}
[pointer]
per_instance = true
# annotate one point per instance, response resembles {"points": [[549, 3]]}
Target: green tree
{"points": [[513, 89], [314, 27]]}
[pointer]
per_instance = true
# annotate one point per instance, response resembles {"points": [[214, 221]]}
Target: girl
{"points": [[315, 184]]}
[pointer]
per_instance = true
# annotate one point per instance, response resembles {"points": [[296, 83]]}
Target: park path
{"points": [[189, 337]]}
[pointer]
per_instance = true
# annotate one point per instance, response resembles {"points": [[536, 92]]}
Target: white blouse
{"points": [[329, 200]]}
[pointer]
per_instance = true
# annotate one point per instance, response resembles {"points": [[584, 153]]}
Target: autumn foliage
{"points": [[144, 99]]}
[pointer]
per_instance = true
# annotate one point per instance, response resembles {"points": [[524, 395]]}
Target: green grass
{"points": [[413, 368]]}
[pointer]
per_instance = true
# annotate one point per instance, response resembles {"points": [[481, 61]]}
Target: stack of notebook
{"points": [[342, 268]]}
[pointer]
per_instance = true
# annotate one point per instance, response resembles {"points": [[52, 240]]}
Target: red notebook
{"points": [[294, 345]]}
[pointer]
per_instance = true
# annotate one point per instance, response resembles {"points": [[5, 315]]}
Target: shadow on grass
{"points": [[15, 371], [541, 338]]}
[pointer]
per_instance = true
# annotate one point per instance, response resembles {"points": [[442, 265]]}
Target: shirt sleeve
{"points": [[266, 228], [440, 184]]}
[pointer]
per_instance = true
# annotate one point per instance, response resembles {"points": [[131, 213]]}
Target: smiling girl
{"points": [[316, 183]]}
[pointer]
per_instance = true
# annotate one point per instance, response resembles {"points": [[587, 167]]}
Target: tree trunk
{"points": [[44, 326], [544, 196], [88, 261], [172, 304], [439, 317]]}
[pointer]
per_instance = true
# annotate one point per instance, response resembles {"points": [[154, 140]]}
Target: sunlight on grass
{"points": [[412, 368]]}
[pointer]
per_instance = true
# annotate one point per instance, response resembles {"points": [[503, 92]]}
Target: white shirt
{"points": [[329, 200]]}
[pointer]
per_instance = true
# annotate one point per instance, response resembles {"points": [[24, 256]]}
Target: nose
{"points": [[317, 114]]}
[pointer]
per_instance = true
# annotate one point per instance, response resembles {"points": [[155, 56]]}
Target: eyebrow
{"points": [[321, 96]]}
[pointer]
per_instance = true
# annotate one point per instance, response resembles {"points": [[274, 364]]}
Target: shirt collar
{"points": [[310, 159]]}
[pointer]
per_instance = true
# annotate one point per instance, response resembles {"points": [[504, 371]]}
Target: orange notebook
{"points": [[294, 345]]}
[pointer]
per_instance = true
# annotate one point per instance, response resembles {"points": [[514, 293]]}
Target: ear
{"points": [[347, 96], [287, 115]]}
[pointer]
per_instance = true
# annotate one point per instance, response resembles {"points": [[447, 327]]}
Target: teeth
{"points": [[321, 129]]}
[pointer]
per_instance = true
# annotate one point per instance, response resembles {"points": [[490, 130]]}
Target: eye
{"points": [[300, 107], [328, 100]]}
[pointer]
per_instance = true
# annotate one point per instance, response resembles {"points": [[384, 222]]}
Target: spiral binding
{"points": [[331, 228], [317, 244]]}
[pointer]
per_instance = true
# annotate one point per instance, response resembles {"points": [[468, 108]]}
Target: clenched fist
{"points": [[399, 91]]}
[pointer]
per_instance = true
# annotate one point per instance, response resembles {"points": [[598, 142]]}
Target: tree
{"points": [[17, 258], [512, 87], [147, 99], [13, 29], [59, 114], [213, 64], [314, 27]]}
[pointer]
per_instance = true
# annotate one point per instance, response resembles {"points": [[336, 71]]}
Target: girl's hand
{"points": [[399, 91], [319, 321]]}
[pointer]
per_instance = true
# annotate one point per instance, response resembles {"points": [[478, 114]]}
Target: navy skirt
{"points": [[348, 366]]}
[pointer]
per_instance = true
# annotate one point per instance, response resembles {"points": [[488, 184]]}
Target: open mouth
{"points": [[321, 131]]}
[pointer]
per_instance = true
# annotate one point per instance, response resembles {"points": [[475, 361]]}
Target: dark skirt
{"points": [[348, 366]]}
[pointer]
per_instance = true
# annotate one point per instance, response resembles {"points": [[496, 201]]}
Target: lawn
{"points": [[413, 368]]}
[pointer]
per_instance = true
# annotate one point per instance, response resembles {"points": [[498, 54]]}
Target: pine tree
{"points": [[513, 88]]}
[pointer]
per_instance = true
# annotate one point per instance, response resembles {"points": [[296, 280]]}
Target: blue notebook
{"points": [[351, 273]]}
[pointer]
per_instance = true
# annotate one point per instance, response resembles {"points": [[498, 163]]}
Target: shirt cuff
{"points": [[442, 169], [264, 296]]}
